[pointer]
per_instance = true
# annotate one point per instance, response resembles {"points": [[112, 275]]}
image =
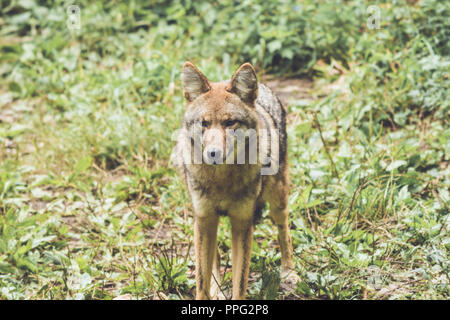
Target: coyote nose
{"points": [[214, 153]]}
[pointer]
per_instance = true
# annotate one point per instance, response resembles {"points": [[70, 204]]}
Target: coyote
{"points": [[207, 157]]}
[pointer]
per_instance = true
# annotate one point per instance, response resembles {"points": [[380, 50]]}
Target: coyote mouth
{"points": [[214, 162]]}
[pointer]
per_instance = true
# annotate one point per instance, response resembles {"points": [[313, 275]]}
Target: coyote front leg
{"points": [[205, 235], [241, 238]]}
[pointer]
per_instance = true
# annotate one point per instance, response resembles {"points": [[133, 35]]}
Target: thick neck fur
{"points": [[223, 180]]}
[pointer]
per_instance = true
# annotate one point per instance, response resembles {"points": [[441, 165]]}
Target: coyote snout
{"points": [[214, 155], [213, 146], [232, 154]]}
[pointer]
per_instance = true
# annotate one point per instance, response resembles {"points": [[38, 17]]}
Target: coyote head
{"points": [[217, 113]]}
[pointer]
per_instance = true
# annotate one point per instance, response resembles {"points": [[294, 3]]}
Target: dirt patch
{"points": [[289, 90]]}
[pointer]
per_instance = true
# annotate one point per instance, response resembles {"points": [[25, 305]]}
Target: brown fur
{"points": [[238, 191]]}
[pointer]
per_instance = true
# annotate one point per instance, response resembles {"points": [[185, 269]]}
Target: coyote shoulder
{"points": [[232, 153]]}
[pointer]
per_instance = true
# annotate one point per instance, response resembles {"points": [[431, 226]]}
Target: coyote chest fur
{"points": [[232, 154]]}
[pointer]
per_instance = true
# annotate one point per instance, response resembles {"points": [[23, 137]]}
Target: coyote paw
{"points": [[289, 280], [216, 293], [218, 296]]}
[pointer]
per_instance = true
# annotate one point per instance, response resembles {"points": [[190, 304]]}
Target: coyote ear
{"points": [[244, 83], [194, 82]]}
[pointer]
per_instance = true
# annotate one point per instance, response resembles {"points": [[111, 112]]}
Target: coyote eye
{"points": [[205, 124], [230, 123]]}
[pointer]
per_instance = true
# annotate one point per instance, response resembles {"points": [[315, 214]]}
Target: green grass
{"points": [[90, 209]]}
